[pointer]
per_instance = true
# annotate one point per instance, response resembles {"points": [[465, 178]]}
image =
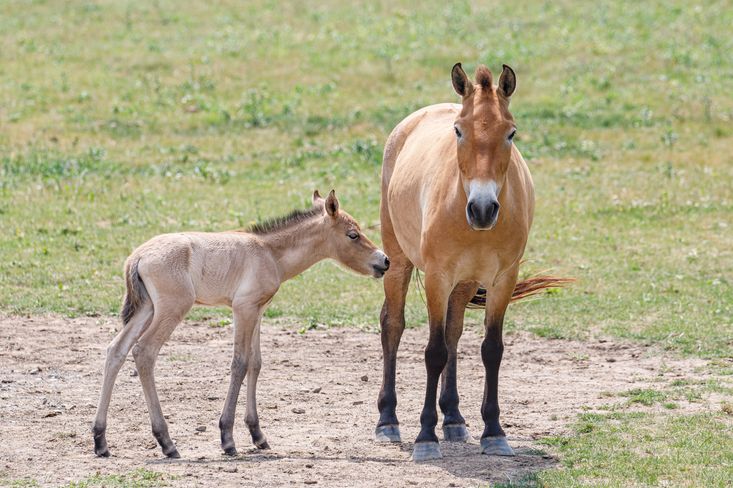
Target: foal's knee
{"points": [[255, 365], [144, 356], [239, 364], [115, 355]]}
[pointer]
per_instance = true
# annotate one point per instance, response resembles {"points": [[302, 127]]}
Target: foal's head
{"points": [[345, 242], [484, 131]]}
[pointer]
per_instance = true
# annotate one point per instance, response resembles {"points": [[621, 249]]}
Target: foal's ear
{"points": [[332, 204], [507, 82], [317, 197], [461, 84]]}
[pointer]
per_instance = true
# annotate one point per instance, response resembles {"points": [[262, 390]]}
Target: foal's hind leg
{"points": [[116, 353], [169, 312], [454, 425]]}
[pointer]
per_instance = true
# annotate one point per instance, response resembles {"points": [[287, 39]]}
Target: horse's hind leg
{"points": [[454, 425], [116, 353], [168, 314], [392, 321]]}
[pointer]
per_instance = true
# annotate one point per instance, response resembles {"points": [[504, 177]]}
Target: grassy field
{"points": [[121, 120]]}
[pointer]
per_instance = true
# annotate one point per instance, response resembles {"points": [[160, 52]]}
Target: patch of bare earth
{"points": [[317, 401]]}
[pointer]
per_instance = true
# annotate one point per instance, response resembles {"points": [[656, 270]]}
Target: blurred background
{"points": [[121, 120]]}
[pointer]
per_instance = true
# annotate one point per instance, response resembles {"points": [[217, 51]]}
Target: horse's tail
{"points": [[136, 294], [523, 289]]}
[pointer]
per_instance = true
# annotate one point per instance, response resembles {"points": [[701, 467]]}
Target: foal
{"points": [[170, 273]]}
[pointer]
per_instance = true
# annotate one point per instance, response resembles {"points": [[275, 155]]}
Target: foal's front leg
{"points": [[254, 365], [245, 360], [437, 289]]}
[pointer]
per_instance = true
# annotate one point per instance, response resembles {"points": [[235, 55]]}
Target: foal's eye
{"points": [[353, 235], [458, 131], [511, 136]]}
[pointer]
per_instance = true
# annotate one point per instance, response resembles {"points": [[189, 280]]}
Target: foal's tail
{"points": [[136, 294], [523, 289]]}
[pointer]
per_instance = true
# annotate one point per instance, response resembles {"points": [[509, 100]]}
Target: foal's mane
{"points": [[278, 223]]}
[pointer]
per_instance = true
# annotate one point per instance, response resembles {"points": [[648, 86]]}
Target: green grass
{"points": [[212, 118], [141, 478], [122, 120], [639, 449]]}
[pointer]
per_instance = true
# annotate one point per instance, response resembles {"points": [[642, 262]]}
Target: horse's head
{"points": [[345, 241], [484, 131]]}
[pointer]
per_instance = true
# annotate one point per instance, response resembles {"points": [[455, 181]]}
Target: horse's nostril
{"points": [[471, 210], [493, 210], [386, 262]]}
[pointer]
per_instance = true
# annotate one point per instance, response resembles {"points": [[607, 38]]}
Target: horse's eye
{"points": [[458, 131], [511, 136], [353, 235]]}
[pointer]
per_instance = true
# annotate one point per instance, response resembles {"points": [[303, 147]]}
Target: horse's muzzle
{"points": [[482, 215]]}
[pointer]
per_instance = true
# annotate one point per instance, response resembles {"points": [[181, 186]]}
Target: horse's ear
{"points": [[507, 82], [317, 197], [461, 84], [332, 204]]}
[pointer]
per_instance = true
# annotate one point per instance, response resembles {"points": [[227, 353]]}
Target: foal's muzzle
{"points": [[482, 214], [381, 265]]}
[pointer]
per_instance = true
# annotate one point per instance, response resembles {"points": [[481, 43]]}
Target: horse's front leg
{"points": [[454, 425], [437, 290], [392, 322], [493, 439], [246, 318]]}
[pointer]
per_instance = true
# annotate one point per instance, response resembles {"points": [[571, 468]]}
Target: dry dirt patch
{"points": [[50, 370]]}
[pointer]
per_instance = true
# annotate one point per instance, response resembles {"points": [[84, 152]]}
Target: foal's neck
{"points": [[296, 248]]}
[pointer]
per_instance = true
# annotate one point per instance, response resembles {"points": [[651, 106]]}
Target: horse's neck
{"points": [[295, 249]]}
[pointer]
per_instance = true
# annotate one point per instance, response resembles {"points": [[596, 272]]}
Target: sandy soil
{"points": [[317, 398]]}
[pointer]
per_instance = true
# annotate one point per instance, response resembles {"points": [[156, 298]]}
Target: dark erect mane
{"points": [[278, 223]]}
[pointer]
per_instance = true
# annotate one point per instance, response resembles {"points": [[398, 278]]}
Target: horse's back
{"points": [[411, 130], [416, 150]]}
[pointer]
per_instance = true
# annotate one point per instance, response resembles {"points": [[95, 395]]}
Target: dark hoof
{"points": [[426, 451], [496, 446], [102, 452], [230, 451], [100, 446], [456, 433], [100, 442], [387, 433], [172, 454], [262, 444]]}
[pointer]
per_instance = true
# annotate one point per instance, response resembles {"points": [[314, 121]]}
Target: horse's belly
{"points": [[408, 237], [405, 211]]}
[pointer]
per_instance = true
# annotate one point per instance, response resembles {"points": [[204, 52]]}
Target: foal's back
{"points": [[211, 266]]}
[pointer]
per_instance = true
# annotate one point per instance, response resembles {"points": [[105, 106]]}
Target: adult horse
{"points": [[457, 203]]}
